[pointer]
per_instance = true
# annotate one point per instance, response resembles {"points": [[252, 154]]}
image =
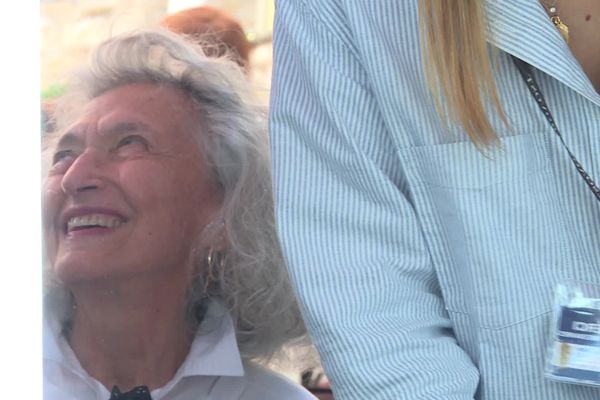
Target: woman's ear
{"points": [[220, 242], [214, 236]]}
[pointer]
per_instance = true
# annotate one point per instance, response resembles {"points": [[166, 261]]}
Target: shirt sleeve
{"points": [[356, 253]]}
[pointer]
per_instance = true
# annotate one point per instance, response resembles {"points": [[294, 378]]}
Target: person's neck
{"points": [[132, 332], [583, 19]]}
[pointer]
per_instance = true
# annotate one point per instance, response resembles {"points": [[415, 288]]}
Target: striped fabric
{"points": [[426, 268]]}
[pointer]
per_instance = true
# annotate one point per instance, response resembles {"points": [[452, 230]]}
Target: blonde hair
{"points": [[458, 66]]}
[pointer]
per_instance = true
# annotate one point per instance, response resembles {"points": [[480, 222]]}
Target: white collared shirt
{"points": [[213, 370]]}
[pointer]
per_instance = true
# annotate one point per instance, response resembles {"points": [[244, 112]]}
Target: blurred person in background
{"points": [[217, 31]]}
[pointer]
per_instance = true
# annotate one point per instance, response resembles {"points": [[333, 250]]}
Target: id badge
{"points": [[574, 350]]}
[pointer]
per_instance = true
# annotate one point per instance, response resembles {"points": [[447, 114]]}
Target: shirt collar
{"points": [[214, 351], [522, 28], [52, 336]]}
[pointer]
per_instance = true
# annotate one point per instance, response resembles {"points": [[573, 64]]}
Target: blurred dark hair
{"points": [[215, 30]]}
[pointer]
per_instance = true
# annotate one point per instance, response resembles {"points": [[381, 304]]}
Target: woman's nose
{"points": [[84, 173]]}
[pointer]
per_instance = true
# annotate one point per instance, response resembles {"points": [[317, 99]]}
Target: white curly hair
{"points": [[248, 277]]}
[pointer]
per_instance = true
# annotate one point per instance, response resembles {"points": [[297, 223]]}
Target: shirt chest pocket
{"points": [[492, 224], [461, 166]]}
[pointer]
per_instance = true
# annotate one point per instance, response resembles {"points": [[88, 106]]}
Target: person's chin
{"points": [[74, 271]]}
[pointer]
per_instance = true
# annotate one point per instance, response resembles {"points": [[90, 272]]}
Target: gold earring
{"points": [[214, 262]]}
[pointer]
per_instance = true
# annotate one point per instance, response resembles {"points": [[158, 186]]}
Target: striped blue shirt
{"points": [[425, 267]]}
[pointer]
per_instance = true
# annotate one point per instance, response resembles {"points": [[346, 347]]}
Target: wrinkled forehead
{"points": [[144, 99], [161, 106]]}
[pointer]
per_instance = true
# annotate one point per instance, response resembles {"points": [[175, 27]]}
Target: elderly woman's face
{"points": [[128, 192]]}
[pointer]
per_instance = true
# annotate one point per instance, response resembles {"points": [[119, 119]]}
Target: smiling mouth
{"points": [[92, 221]]}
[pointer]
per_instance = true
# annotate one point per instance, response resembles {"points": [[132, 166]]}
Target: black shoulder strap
{"points": [[527, 73]]}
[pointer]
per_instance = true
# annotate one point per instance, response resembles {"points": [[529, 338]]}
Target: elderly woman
{"points": [[165, 279]]}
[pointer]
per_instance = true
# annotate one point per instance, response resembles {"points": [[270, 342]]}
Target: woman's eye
{"points": [[62, 156], [61, 161], [133, 142]]}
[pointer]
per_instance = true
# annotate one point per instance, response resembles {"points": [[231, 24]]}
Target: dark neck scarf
{"points": [[137, 393]]}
